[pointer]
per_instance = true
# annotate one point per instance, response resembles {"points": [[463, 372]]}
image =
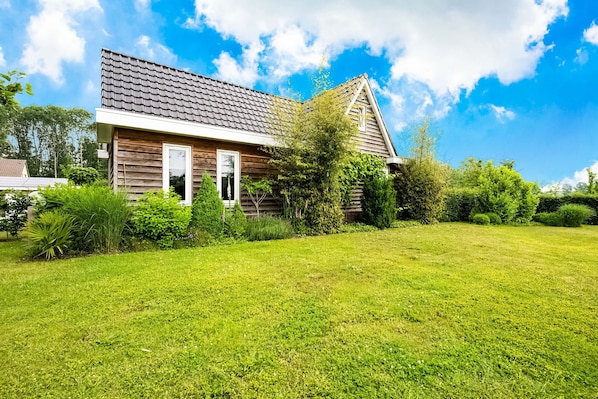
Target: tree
{"points": [[502, 190], [50, 138], [207, 209], [313, 139], [257, 190], [422, 181], [9, 88]]}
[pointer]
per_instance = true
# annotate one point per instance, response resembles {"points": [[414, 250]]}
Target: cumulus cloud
{"points": [[146, 48], [245, 72], [501, 113], [580, 176], [590, 35], [2, 60], [142, 5], [443, 47], [53, 38]]}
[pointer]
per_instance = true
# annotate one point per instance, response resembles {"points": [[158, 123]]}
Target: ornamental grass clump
{"points": [[269, 228], [574, 215]]}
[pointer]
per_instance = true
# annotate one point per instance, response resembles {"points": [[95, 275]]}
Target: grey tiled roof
{"points": [[135, 85]]}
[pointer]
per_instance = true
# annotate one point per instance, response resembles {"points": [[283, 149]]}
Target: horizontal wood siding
{"points": [[139, 164], [369, 140]]}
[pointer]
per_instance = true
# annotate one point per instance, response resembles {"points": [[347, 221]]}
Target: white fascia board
{"points": [[113, 118], [394, 160]]}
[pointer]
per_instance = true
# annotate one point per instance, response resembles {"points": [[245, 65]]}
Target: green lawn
{"points": [[449, 310]]}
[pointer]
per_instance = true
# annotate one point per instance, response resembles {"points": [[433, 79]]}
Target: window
{"points": [[228, 173], [176, 170], [362, 118]]}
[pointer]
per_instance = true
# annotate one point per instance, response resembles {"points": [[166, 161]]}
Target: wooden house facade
{"points": [[165, 127]]}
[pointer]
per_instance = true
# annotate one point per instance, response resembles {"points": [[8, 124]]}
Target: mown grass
{"points": [[450, 310]]}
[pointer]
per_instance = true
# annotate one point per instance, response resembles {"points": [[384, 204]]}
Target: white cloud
{"points": [[156, 52], [501, 113], [581, 176], [582, 56], [435, 44], [53, 38], [244, 73], [590, 35], [2, 60], [142, 5]]}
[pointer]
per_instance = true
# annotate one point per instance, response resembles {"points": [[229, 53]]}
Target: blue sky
{"points": [[509, 79]]}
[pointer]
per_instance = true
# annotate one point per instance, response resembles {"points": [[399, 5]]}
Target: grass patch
{"points": [[447, 310]]}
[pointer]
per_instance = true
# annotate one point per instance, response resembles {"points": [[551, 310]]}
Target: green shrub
{"points": [[81, 176], [458, 204], [235, 223], [55, 197], [575, 214], [549, 218], [161, 218], [379, 201], [208, 208], [480, 218], [49, 234], [357, 227], [503, 191], [324, 214], [551, 203], [13, 211], [194, 238], [269, 228], [421, 188], [494, 218]]}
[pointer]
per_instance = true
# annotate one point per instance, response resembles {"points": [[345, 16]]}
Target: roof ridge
{"points": [[196, 74]]}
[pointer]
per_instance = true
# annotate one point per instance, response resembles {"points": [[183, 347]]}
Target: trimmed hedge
{"points": [[550, 204], [458, 204]]}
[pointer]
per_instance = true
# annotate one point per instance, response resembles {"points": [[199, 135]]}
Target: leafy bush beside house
{"points": [[160, 217]]}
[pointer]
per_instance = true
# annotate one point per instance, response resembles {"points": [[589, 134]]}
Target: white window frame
{"points": [[362, 117], [188, 169], [237, 182]]}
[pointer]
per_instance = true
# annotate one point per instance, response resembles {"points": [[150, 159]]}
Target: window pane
{"points": [[227, 176], [176, 171]]}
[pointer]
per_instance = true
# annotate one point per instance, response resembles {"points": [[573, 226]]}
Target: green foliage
{"points": [[503, 191], [480, 218], [552, 203], [257, 190], [549, 218], [313, 140], [574, 215], [161, 218], [358, 166], [235, 223], [208, 208], [421, 182], [81, 176], [49, 234], [10, 87], [379, 201], [458, 204], [269, 228], [13, 211], [100, 215], [494, 218]]}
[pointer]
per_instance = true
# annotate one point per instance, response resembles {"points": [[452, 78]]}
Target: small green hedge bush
{"points": [[81, 176], [379, 201], [494, 218], [574, 215], [549, 218], [159, 217], [269, 228], [235, 223], [458, 204], [480, 218], [208, 209], [551, 204]]}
